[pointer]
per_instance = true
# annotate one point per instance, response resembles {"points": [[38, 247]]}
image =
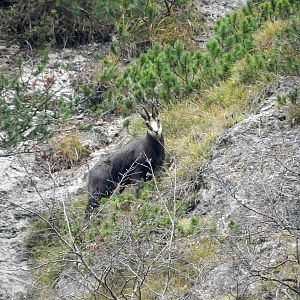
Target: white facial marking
{"points": [[156, 128]]}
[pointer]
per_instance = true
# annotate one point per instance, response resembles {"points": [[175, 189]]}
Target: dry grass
{"points": [[182, 25], [185, 270], [192, 127], [264, 39], [68, 151]]}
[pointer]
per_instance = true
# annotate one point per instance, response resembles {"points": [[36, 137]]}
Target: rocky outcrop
{"points": [[8, 54], [251, 189], [213, 10], [26, 189]]}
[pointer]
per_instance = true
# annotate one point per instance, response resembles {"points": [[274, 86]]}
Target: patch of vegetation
{"points": [[291, 104], [140, 23], [67, 152], [189, 226], [136, 232], [169, 73], [58, 22], [26, 112], [233, 225], [195, 115], [136, 24], [191, 127], [85, 127], [45, 247]]}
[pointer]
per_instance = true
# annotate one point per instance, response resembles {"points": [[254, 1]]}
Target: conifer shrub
{"points": [[285, 53], [27, 113], [168, 73]]}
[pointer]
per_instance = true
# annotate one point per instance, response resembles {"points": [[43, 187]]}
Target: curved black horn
{"points": [[147, 116], [154, 111]]}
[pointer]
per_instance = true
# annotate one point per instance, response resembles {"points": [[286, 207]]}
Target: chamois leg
{"points": [[137, 188], [137, 183], [93, 203], [140, 176]]}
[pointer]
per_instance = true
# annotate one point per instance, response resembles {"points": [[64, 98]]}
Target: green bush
{"points": [[25, 114], [170, 72], [59, 22]]}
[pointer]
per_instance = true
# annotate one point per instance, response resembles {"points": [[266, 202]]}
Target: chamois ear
{"points": [[154, 111], [145, 116]]}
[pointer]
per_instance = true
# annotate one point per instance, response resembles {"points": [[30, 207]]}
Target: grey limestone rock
{"points": [[251, 188]]}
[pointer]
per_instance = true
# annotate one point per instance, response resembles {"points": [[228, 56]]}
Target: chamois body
{"points": [[129, 165]]}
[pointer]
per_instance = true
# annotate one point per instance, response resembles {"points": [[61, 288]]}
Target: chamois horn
{"points": [[144, 116]]}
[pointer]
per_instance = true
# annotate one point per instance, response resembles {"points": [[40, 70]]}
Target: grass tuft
{"points": [[68, 151]]}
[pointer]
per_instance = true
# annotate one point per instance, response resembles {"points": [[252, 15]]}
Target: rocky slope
{"points": [[251, 188], [26, 188]]}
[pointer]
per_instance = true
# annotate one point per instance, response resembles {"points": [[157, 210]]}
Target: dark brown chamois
{"points": [[129, 165]]}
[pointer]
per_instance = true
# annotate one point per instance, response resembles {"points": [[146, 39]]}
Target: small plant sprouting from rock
{"points": [[291, 104]]}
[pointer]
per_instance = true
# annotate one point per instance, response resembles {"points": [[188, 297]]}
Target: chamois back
{"points": [[129, 165]]}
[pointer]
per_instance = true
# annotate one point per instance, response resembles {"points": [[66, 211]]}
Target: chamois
{"points": [[129, 165]]}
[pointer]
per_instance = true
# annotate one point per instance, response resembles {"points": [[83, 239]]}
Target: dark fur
{"points": [[128, 166]]}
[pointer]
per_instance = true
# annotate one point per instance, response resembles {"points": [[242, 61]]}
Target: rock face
{"points": [[8, 54], [213, 10], [14, 271], [24, 187], [21, 193], [251, 189], [24, 190]]}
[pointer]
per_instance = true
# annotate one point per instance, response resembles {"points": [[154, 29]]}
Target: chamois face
{"points": [[152, 122], [154, 127]]}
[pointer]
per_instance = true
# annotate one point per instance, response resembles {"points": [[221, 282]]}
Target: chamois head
{"points": [[152, 122]]}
